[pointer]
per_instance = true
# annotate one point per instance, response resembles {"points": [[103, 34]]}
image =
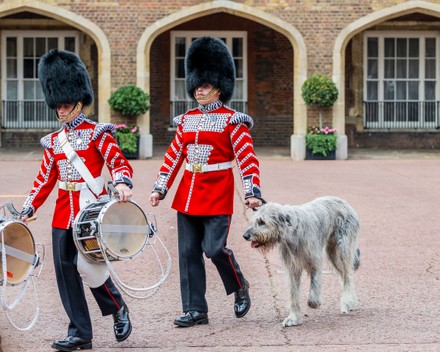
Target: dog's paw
{"points": [[292, 320], [347, 307], [314, 304]]}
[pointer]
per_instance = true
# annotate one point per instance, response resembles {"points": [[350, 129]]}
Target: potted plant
{"points": [[128, 140], [320, 143], [130, 101], [320, 91]]}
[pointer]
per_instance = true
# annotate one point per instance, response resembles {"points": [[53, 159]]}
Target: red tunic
{"points": [[94, 144], [210, 135]]}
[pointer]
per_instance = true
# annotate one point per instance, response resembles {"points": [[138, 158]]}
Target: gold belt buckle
{"points": [[196, 167], [70, 186]]}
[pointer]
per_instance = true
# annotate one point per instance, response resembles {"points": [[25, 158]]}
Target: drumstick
{"points": [[32, 218]]}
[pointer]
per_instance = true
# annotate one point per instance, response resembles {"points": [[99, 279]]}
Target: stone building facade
{"points": [[383, 55]]}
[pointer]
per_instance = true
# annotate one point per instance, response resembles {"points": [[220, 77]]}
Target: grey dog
{"points": [[302, 233]]}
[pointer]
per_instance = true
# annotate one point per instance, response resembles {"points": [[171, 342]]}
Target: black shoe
{"points": [[72, 343], [122, 325], [242, 300], [192, 318]]}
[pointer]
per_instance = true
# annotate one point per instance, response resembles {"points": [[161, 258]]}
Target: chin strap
{"points": [[207, 96], [77, 108]]}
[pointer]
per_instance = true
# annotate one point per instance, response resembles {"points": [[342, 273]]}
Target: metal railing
{"points": [[27, 114], [179, 107], [401, 114]]}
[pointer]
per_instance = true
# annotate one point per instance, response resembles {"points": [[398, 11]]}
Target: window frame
{"points": [[19, 36], [380, 80]]}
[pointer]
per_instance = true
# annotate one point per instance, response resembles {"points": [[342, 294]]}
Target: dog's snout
{"points": [[246, 236]]}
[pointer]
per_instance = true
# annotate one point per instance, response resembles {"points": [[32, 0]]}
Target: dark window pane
{"points": [[372, 68], [52, 43], [389, 89], [69, 44], [389, 69], [413, 47], [28, 47], [400, 90], [180, 68], [413, 90], [430, 47], [372, 90], [28, 68], [237, 47], [430, 90], [401, 69], [413, 68], [11, 47], [372, 47], [40, 44], [389, 47], [180, 47], [401, 47]]}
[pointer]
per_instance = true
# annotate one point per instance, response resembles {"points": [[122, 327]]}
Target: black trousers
{"points": [[208, 235], [71, 288]]}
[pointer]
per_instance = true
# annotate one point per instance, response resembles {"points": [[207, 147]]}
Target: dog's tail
{"points": [[357, 259]]}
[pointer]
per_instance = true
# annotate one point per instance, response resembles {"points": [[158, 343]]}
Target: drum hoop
{"points": [[32, 264], [102, 207]]}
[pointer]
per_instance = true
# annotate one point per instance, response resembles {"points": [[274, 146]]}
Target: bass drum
{"points": [[21, 256], [119, 230]]}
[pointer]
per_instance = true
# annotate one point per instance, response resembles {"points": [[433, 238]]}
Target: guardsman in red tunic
{"points": [[66, 86], [209, 140]]}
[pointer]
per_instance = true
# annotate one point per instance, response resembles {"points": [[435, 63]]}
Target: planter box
{"points": [[131, 155], [134, 155], [311, 156]]}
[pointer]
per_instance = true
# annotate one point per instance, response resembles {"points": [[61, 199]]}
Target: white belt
{"points": [[208, 167], [75, 186]]}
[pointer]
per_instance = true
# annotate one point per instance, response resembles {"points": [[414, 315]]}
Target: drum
{"points": [[112, 229], [21, 255]]}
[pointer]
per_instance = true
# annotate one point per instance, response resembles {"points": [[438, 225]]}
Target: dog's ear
{"points": [[284, 218]]}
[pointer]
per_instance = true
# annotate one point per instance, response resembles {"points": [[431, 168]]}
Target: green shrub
{"points": [[319, 90], [130, 101]]}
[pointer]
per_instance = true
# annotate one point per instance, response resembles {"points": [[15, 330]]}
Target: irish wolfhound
{"points": [[302, 233]]}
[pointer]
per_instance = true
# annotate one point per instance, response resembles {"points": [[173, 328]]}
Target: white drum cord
{"points": [[8, 307], [3, 296], [151, 290]]}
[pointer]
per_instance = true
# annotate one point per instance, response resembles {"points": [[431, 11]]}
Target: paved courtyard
{"points": [[397, 197]]}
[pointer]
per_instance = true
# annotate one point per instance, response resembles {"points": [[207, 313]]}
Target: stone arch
{"points": [[240, 10], [340, 46], [79, 22]]}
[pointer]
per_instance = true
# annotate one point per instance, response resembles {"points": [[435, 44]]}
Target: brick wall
{"points": [[270, 90], [270, 54]]}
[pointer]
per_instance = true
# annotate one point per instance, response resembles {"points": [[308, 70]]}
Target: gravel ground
{"points": [[397, 197]]}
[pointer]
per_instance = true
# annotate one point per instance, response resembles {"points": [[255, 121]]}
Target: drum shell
{"points": [[18, 236], [118, 229]]}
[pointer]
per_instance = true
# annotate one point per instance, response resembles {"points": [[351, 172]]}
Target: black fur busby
{"points": [[208, 60], [64, 79]]}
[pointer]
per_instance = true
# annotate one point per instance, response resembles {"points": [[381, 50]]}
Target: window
{"points": [[180, 42], [22, 97], [401, 74]]}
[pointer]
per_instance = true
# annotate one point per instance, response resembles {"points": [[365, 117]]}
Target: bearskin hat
{"points": [[208, 60], [64, 79]]}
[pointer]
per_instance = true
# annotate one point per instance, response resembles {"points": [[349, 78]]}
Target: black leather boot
{"points": [[72, 343], [122, 326], [242, 300], [192, 318]]}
